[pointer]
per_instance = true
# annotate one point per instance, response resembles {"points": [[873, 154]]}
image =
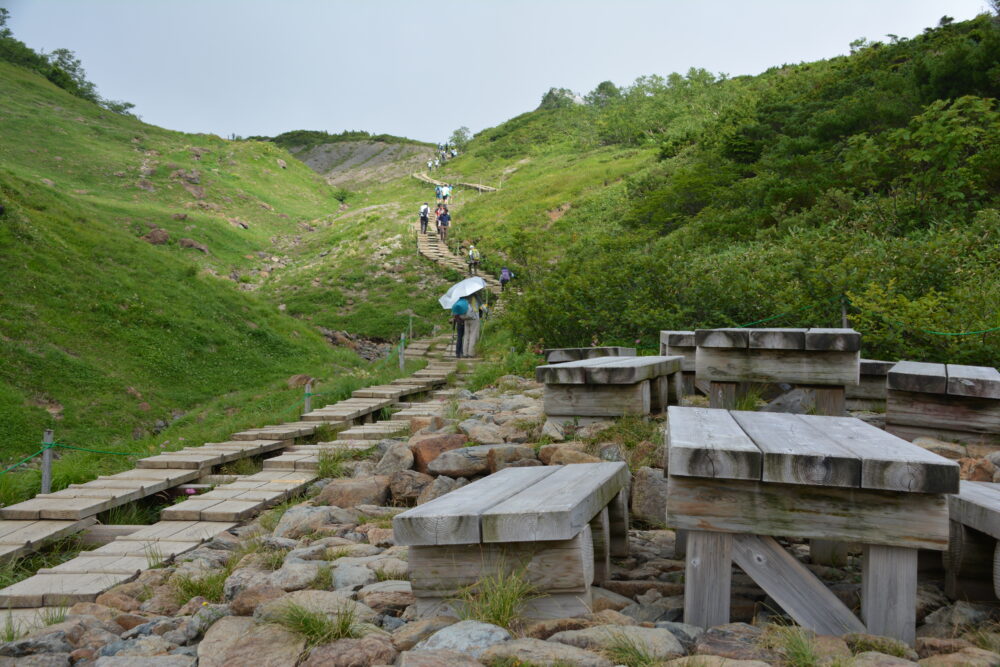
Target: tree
{"points": [[460, 138], [67, 72], [559, 98], [605, 93], [4, 16]]}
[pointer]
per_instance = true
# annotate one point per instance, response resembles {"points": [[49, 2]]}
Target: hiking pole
{"points": [[47, 439]]}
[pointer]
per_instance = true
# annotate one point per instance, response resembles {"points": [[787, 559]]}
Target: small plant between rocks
{"points": [[318, 627], [497, 598]]}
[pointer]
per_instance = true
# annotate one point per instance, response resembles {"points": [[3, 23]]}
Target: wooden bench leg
{"points": [[830, 401], [680, 543], [600, 530], [828, 552], [708, 578], [969, 563], [889, 591], [618, 523], [722, 395]]}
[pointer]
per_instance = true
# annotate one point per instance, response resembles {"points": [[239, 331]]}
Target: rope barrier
{"points": [[95, 451], [25, 459]]}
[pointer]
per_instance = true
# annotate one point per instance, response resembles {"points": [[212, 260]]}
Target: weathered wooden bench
{"points": [[972, 561], [681, 343], [824, 360], [870, 392], [561, 524], [609, 386], [947, 401], [737, 479], [558, 355]]}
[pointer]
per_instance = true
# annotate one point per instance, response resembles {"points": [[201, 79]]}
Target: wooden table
{"points": [[824, 360], [609, 386], [556, 355], [737, 479]]}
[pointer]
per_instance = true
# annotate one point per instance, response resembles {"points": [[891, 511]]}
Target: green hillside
{"points": [[697, 200]]}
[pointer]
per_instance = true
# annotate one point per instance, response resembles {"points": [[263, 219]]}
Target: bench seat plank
{"points": [[777, 339], [556, 507], [608, 370], [702, 442], [918, 376], [978, 381], [977, 505]]}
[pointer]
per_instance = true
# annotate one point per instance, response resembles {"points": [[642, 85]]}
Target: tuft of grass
{"points": [[318, 627], [986, 636], [53, 615], [382, 575], [638, 439], [209, 586], [323, 580], [625, 651], [10, 630], [339, 552], [497, 598], [331, 461], [860, 643], [154, 555], [749, 401], [793, 643], [272, 559], [378, 521], [269, 519], [246, 466], [131, 514]]}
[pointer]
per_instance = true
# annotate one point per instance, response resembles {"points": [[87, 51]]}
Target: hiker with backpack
{"points": [[425, 215], [473, 259], [506, 275], [445, 193], [471, 322], [458, 311], [437, 192], [444, 219]]}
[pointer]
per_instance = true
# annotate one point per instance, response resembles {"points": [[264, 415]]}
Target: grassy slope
{"points": [[104, 334]]}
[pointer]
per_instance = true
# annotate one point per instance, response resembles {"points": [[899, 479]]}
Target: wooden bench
{"points": [[558, 355], [561, 524], [972, 561], [681, 343], [945, 401], [609, 386], [737, 479], [870, 392], [824, 360]]}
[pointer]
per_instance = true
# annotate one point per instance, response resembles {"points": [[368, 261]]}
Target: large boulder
{"points": [[539, 652], [546, 452], [657, 643], [564, 457], [302, 520], [481, 432], [411, 634], [469, 637], [408, 484], [330, 603], [735, 641], [649, 496], [259, 644], [397, 457], [351, 492], [464, 462], [441, 485], [503, 456], [370, 650], [387, 596], [426, 448]]}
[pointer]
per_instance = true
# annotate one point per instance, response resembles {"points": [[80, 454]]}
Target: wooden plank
{"points": [[977, 505], [793, 586], [55, 508], [876, 368], [454, 517], [558, 566], [791, 366], [587, 400], [89, 564], [562, 354], [152, 549], [978, 444], [889, 591], [678, 338], [777, 339], [35, 532], [722, 338], [235, 510], [630, 370], [707, 578], [702, 442], [888, 462], [556, 507], [189, 510], [600, 531], [172, 476], [618, 520], [918, 376], [797, 453], [871, 387], [978, 381], [58, 589], [182, 531], [830, 401], [842, 340], [570, 372], [969, 553], [917, 520], [722, 395], [958, 413]]}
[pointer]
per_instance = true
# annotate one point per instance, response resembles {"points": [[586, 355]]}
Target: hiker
{"points": [[443, 221], [473, 259], [445, 192], [438, 212], [430, 165], [505, 277], [471, 321], [425, 215], [437, 163], [458, 310], [437, 192]]}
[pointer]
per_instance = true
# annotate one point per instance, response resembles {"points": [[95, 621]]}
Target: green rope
{"points": [[94, 451], [26, 459], [791, 312]]}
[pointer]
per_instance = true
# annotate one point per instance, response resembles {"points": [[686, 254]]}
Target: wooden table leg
{"points": [[889, 591], [722, 395], [618, 524], [830, 401], [708, 578], [680, 543], [600, 530]]}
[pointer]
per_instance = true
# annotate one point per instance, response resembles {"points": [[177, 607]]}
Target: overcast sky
{"points": [[422, 69]]}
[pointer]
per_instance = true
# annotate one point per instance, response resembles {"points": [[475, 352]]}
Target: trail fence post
{"points": [[308, 405], [411, 327], [402, 349], [843, 314], [47, 439]]}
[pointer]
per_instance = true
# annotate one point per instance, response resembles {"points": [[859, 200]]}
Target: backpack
{"points": [[474, 255], [461, 307], [505, 274]]}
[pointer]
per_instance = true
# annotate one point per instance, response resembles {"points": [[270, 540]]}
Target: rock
{"points": [[408, 484], [247, 601], [428, 423], [260, 645], [798, 401], [504, 456], [156, 236], [441, 658], [294, 576], [969, 656], [736, 641], [481, 432], [686, 634], [243, 579], [299, 521], [976, 470], [191, 243], [92, 609], [567, 456], [525, 463], [440, 486], [117, 601], [860, 642], [546, 452], [351, 492], [281, 163], [512, 431], [630, 589], [604, 599], [144, 646], [129, 621], [929, 598], [658, 643], [392, 568], [223, 634], [147, 661], [370, 650], [464, 462], [397, 457], [949, 450], [931, 646], [352, 576], [381, 537], [51, 643], [959, 615], [427, 448], [661, 610], [328, 602], [547, 628], [387, 596], [469, 637], [413, 633], [712, 661], [553, 431], [649, 496], [876, 659], [538, 652]]}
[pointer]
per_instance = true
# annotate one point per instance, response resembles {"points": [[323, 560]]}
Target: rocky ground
{"points": [[321, 582]]}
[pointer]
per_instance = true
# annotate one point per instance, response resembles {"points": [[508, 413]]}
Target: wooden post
{"points": [[889, 591], [600, 530], [708, 578], [411, 326], [680, 543], [722, 395], [618, 524], [308, 404], [402, 350], [47, 439], [830, 401]]}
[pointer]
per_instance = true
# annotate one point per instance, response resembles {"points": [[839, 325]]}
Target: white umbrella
{"points": [[458, 290]]}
